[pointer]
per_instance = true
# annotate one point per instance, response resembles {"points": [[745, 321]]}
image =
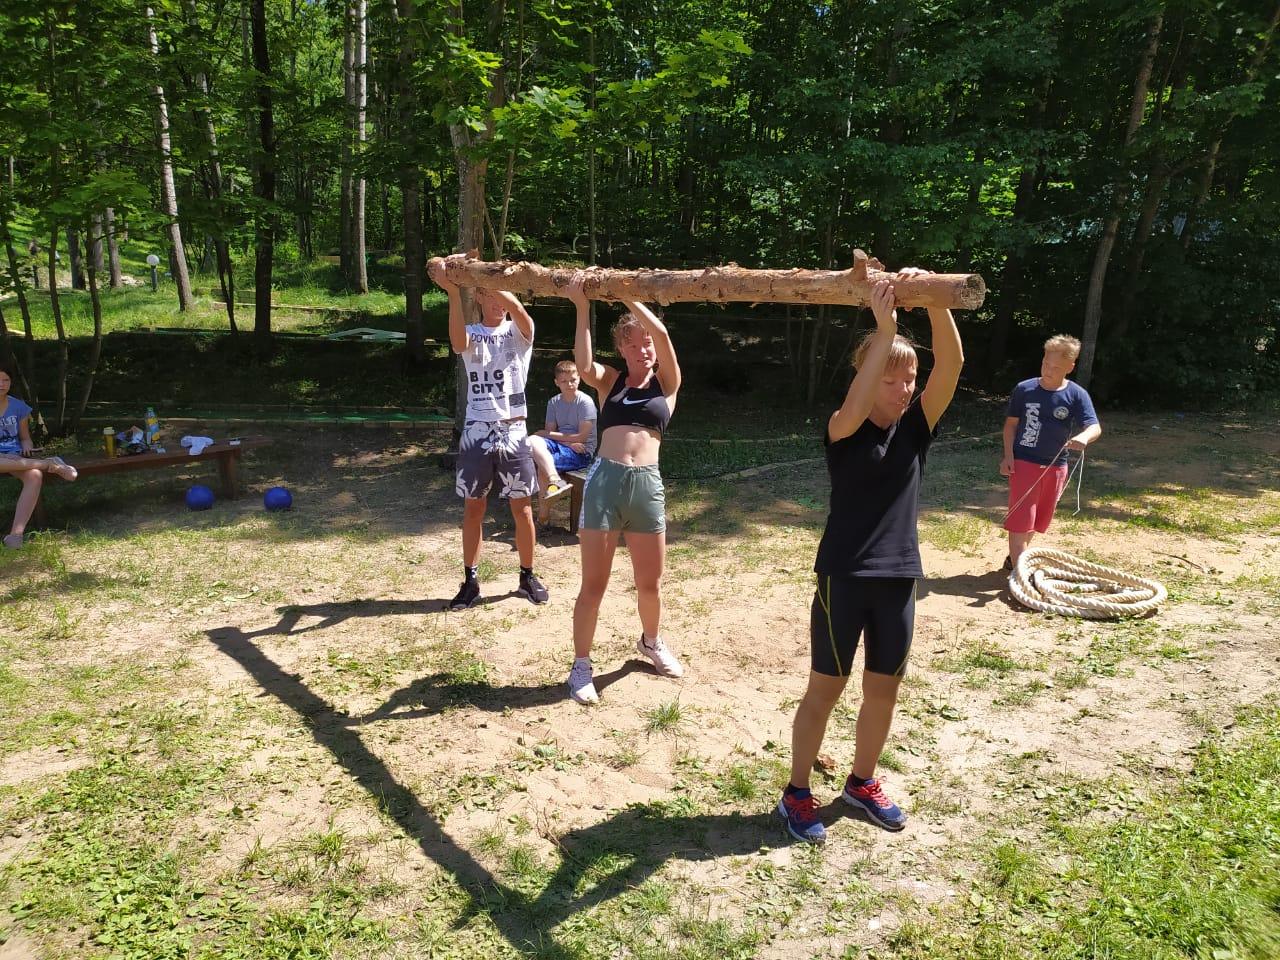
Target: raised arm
{"points": [[668, 367], [457, 325], [523, 322], [862, 392], [593, 374], [948, 358]]}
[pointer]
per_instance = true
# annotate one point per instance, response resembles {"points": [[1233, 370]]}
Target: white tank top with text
{"points": [[497, 366]]}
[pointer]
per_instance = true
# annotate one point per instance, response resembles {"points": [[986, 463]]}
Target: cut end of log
{"points": [[974, 292]]}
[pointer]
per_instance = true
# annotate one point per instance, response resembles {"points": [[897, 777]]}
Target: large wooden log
{"points": [[957, 291]]}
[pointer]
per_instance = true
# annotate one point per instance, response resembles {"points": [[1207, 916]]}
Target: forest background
{"points": [[1109, 167]]}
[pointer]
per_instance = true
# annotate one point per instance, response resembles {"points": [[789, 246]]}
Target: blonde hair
{"points": [[902, 351], [566, 366], [624, 328], [1061, 343]]}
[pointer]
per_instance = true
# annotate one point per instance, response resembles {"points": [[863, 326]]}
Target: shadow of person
{"points": [[979, 589], [617, 855], [431, 695], [598, 862], [339, 611]]}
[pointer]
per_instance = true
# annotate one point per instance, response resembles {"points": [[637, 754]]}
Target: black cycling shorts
{"points": [[883, 609]]}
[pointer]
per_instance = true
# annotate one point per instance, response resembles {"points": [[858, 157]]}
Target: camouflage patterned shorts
{"points": [[495, 449]]}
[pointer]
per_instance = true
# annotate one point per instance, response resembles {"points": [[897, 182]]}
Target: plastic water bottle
{"points": [[152, 427]]}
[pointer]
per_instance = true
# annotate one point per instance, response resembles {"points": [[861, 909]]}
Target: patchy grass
{"points": [[1175, 879]]}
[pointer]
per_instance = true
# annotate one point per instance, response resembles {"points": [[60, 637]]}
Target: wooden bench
{"points": [[226, 452], [578, 481]]}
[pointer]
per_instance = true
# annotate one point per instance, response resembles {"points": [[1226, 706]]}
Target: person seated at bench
{"points": [[569, 440], [15, 458]]}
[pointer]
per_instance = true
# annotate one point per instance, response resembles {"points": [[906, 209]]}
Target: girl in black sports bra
{"points": [[623, 494], [645, 406]]}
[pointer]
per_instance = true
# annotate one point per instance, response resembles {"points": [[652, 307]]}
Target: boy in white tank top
{"points": [[495, 442]]}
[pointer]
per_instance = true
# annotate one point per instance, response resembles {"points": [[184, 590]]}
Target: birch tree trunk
{"points": [[358, 187], [168, 190], [113, 251]]}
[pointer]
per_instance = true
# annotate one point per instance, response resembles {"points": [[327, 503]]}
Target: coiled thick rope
{"points": [[1054, 581]]}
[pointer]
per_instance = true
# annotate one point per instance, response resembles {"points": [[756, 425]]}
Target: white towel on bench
{"points": [[196, 445]]}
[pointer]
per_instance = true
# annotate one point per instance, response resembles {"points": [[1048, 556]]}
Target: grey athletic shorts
{"points": [[620, 497], [488, 449]]}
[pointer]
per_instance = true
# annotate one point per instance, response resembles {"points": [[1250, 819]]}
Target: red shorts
{"points": [[1034, 510]]}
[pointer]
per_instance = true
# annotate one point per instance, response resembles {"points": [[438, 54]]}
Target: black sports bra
{"points": [[635, 406]]}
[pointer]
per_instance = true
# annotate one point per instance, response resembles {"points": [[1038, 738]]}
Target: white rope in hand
{"points": [[1053, 581]]}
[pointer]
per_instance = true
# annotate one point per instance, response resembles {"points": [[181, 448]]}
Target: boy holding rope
{"points": [[1047, 416]]}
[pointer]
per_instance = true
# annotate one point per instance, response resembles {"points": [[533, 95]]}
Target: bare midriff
{"points": [[630, 445]]}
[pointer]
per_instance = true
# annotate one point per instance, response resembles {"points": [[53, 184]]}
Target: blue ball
{"points": [[277, 498], [200, 497]]}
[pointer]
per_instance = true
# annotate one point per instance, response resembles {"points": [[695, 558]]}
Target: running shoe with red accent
{"points": [[799, 810], [869, 797]]}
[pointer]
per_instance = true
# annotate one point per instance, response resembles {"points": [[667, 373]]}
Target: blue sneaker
{"points": [[800, 811], [870, 798]]}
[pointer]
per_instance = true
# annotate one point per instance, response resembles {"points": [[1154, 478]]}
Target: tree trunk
{"points": [[362, 101], [55, 306], [95, 352], [725, 284], [168, 190], [213, 192], [95, 242], [113, 252], [402, 13], [1102, 256], [264, 181], [74, 260], [344, 158], [1154, 193]]}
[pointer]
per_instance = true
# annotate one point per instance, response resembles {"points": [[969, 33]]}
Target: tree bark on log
{"points": [[957, 291]]}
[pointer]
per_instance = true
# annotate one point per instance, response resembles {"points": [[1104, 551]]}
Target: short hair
{"points": [[901, 352], [624, 327], [566, 366], [1063, 344]]}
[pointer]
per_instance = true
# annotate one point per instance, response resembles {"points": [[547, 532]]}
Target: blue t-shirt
{"points": [[15, 412], [1047, 419]]}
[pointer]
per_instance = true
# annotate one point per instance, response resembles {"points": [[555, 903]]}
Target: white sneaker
{"points": [[664, 661], [581, 688]]}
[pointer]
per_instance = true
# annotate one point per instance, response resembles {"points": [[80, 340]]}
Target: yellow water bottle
{"points": [[109, 441], [152, 430]]}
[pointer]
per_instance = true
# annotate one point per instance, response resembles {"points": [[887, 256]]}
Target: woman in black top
{"points": [[623, 495], [869, 558]]}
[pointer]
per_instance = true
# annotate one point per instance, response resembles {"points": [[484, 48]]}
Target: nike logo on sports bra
{"points": [[632, 403]]}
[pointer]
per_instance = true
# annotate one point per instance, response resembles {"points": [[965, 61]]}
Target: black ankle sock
{"points": [[526, 571], [792, 788], [470, 573]]}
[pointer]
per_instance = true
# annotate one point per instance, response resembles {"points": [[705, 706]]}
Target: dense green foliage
{"points": [[997, 138]]}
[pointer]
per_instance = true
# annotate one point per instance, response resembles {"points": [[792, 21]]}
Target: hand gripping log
{"points": [[956, 291]]}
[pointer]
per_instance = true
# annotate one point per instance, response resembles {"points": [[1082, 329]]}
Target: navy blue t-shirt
{"points": [[1047, 419], [875, 499]]}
